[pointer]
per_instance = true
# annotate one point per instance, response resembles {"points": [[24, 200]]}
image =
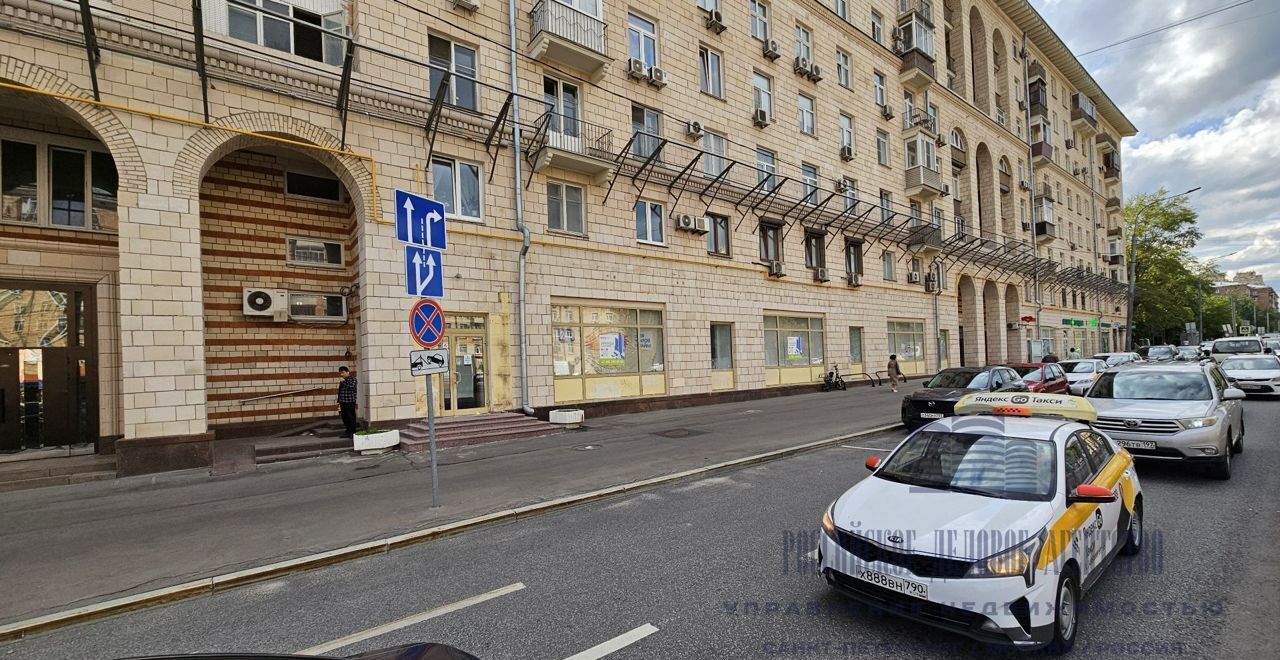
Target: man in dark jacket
{"points": [[1049, 357], [347, 400]]}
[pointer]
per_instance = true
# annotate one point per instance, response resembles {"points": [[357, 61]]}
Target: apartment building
{"points": [[648, 204]]}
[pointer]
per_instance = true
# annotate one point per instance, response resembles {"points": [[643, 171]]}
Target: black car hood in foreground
{"points": [[406, 652], [940, 394]]}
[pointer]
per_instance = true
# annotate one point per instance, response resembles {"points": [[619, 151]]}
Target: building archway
{"points": [[978, 61], [986, 191], [994, 317], [1013, 317], [970, 331]]}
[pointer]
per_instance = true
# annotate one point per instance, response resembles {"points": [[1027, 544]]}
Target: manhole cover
{"points": [[587, 447], [679, 433]]}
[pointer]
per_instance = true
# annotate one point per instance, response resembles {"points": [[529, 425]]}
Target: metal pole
{"points": [[1133, 270], [522, 257], [1200, 311], [431, 441]]}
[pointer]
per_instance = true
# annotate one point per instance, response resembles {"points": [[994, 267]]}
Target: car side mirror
{"points": [[1091, 494], [873, 462], [1233, 394]]}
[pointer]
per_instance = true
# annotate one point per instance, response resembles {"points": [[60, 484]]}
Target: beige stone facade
{"points": [[177, 358]]}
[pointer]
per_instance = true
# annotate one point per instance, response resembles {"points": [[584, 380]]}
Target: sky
{"points": [[1205, 97]]}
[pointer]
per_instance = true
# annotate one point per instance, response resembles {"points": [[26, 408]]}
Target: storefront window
{"points": [[792, 341], [18, 181], [906, 339], [855, 345], [603, 341]]}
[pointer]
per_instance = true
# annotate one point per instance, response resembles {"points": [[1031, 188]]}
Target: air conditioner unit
{"points": [[815, 73], [328, 308], [771, 50], [802, 65], [775, 269], [913, 278], [266, 302], [715, 21], [854, 279], [657, 77], [761, 117], [1022, 104], [1011, 326], [467, 5], [886, 112], [1023, 185], [931, 282], [1071, 144], [946, 189], [702, 224], [820, 275], [941, 141], [636, 69], [694, 129], [684, 221], [1026, 226], [846, 152]]}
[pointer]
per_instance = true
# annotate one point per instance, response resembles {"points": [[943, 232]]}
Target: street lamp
{"points": [[1133, 259]]}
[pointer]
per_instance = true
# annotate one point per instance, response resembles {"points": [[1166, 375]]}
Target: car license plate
{"points": [[1136, 444], [893, 583], [931, 415]]}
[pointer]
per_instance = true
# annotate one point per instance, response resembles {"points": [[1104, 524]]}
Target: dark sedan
{"points": [[938, 397]]}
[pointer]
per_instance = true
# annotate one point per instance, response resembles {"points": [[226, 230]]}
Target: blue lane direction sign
{"points": [[426, 323], [420, 220], [423, 272]]}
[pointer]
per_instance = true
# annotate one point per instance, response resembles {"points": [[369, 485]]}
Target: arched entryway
{"points": [[970, 322], [978, 61], [994, 317], [986, 191], [1014, 344]]}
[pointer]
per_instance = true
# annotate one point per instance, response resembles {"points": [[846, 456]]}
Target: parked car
{"points": [[937, 399], [1205, 347], [1042, 378], [1189, 354], [1172, 411], [1254, 374], [1273, 344], [1117, 359], [1159, 353], [1228, 346], [1082, 373]]}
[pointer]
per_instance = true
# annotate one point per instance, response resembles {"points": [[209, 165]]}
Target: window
{"points": [[804, 43], [718, 236], [759, 20], [791, 341], [908, 104], [1076, 464], [809, 177], [882, 147], [815, 254], [918, 35], [766, 168], [906, 340], [642, 40], [315, 35], [646, 125], [886, 206], [806, 115], [721, 346], [314, 252], [713, 162], [317, 306], [877, 80], [843, 69], [877, 27], [914, 207], [595, 341], [763, 92], [565, 208], [888, 265], [18, 182], [842, 9], [956, 140], [917, 266], [327, 188], [770, 242], [855, 345], [921, 152], [846, 130], [709, 76], [853, 257], [849, 192], [42, 183], [456, 185], [561, 99], [67, 189], [459, 60], [648, 222], [936, 213], [709, 5]]}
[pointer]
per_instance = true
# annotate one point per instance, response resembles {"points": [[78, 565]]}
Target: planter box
{"points": [[383, 440], [569, 418]]}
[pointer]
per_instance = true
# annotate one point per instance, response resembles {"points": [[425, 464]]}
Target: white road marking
{"points": [[410, 620], [812, 555], [617, 643]]}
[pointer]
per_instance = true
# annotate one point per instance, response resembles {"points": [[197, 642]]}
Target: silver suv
{"points": [[1172, 410]]}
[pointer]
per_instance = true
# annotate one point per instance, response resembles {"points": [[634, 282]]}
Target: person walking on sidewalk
{"points": [[895, 373], [1073, 353], [347, 400]]}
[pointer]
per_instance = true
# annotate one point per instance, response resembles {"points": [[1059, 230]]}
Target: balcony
{"points": [[1045, 192], [922, 8], [1115, 259], [563, 35], [923, 183], [917, 71], [1111, 171], [925, 240], [1042, 153], [1038, 97], [1113, 203], [1083, 114], [1046, 231], [1115, 232], [571, 144], [1107, 144], [959, 157], [1035, 71], [920, 120]]}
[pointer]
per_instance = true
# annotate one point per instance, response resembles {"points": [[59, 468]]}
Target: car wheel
{"points": [[1133, 544], [1222, 468], [1065, 614]]}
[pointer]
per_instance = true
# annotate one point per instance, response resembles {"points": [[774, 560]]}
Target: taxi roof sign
{"points": [[1019, 404]]}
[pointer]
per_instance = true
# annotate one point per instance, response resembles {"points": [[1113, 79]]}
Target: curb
{"points": [[28, 627]]}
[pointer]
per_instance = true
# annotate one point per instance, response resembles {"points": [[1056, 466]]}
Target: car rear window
{"points": [[1251, 363], [1237, 346], [1082, 367], [1152, 386], [1160, 351]]}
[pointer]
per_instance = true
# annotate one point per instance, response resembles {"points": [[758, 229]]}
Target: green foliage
{"points": [[1168, 279]]}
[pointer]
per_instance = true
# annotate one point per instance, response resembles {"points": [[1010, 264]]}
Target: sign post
{"points": [[420, 226]]}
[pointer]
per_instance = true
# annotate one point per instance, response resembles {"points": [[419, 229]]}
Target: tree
{"points": [[1167, 278]]}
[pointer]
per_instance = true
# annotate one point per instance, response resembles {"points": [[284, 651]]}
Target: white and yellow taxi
{"points": [[992, 523]]}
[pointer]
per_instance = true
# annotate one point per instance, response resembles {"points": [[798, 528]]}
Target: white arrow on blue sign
{"points": [[423, 272], [420, 221]]}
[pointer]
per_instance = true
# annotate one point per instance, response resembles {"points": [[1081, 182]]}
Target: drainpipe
{"points": [[1031, 183], [519, 199]]}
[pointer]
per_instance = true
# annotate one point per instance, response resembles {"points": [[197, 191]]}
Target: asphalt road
{"points": [[712, 568]]}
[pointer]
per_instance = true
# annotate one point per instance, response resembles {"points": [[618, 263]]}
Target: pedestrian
{"points": [[1073, 353], [895, 373], [347, 401], [1049, 357]]}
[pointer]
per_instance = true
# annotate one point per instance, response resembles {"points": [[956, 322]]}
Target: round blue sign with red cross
{"points": [[426, 323]]}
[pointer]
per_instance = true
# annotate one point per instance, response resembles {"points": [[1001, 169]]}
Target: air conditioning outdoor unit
{"points": [[941, 141], [715, 21], [1071, 144], [846, 152], [761, 117], [1023, 185], [694, 129], [685, 222], [931, 282], [636, 69], [266, 302], [467, 5], [886, 112], [1022, 104], [946, 189], [913, 278], [854, 279], [1011, 326], [775, 269], [815, 73], [702, 224], [820, 275], [657, 77], [771, 50], [802, 65]]}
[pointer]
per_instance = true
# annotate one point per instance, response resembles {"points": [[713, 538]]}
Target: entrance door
{"points": [[10, 395], [465, 389]]}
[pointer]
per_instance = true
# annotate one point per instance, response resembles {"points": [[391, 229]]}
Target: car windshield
{"points": [[1113, 360], [976, 463], [1152, 386], [961, 378], [1238, 346], [1251, 363], [1082, 367], [1160, 352]]}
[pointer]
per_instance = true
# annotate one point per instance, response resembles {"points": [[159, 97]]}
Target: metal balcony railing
{"points": [[570, 134], [922, 7], [1113, 202], [568, 23], [920, 118]]}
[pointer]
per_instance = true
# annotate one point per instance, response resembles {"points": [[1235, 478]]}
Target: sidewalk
{"points": [[77, 545]]}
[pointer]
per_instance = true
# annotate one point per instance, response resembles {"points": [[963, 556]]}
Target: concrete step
{"points": [[265, 451], [414, 443], [56, 467], [8, 486], [451, 431], [296, 455], [475, 420]]}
